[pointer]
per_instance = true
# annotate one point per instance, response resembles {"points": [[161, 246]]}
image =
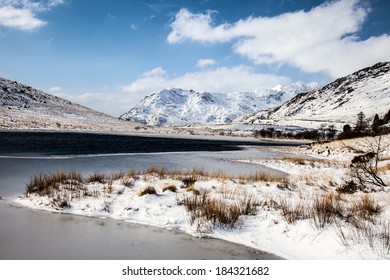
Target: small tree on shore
{"points": [[361, 124], [376, 122], [364, 168]]}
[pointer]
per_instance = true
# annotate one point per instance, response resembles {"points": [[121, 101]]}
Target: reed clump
{"points": [[217, 212], [47, 183]]}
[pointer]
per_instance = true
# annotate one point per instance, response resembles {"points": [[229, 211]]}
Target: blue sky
{"points": [[109, 54]]}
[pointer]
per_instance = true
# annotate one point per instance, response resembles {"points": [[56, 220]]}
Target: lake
{"points": [[31, 234]]}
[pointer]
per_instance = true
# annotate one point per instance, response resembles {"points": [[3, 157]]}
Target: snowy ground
{"points": [[287, 216]]}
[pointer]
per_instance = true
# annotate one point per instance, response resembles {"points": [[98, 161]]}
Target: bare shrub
{"points": [[348, 187], [364, 168]]}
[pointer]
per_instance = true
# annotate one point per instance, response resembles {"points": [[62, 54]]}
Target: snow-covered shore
{"points": [[284, 217]]}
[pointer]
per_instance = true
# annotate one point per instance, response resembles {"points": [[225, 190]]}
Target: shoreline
{"points": [[283, 218], [267, 229]]}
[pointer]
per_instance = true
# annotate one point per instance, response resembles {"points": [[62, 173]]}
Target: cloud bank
{"points": [[223, 79], [323, 39]]}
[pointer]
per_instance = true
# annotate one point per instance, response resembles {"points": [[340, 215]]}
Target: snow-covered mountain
{"points": [[367, 91], [22, 106], [183, 107]]}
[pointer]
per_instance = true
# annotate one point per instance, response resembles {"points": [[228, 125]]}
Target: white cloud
{"points": [[223, 79], [55, 89], [205, 62], [22, 14], [133, 26], [19, 18], [323, 39]]}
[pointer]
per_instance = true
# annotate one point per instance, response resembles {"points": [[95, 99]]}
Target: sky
{"points": [[108, 55]]}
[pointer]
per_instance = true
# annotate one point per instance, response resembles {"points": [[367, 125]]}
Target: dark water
{"points": [[56, 143], [30, 234]]}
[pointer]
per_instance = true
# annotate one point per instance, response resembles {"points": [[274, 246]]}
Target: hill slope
{"points": [[367, 91], [22, 106]]}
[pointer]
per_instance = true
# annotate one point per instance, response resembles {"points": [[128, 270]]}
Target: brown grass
{"points": [[219, 213], [157, 171], [260, 177], [296, 160], [117, 175], [384, 169], [325, 209], [365, 208], [171, 188], [45, 184], [189, 181], [147, 190], [293, 211], [97, 177], [60, 186], [128, 182]]}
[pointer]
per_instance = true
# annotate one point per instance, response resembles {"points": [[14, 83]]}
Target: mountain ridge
{"points": [[182, 107], [23, 107], [366, 90]]}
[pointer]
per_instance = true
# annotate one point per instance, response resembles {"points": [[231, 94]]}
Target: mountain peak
{"points": [[182, 107]]}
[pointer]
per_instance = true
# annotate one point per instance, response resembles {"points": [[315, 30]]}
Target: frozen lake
{"points": [[29, 234]]}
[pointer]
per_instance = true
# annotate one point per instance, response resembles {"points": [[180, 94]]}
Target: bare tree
{"points": [[364, 168]]}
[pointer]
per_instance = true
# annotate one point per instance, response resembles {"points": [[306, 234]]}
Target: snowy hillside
{"points": [[22, 106], [183, 107], [367, 91]]}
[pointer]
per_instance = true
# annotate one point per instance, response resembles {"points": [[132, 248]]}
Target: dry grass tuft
{"points": [[384, 169], [157, 171], [260, 177], [189, 181], [171, 188], [117, 175], [219, 213], [325, 209], [46, 184], [147, 190], [292, 211], [296, 160], [365, 208], [97, 177]]}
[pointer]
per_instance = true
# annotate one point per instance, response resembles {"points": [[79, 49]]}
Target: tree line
{"points": [[361, 127]]}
